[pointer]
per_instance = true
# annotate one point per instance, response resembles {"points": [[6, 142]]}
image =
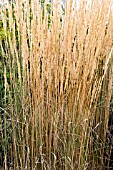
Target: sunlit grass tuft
{"points": [[57, 85]]}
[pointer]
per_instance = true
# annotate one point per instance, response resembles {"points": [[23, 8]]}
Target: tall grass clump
{"points": [[58, 70]]}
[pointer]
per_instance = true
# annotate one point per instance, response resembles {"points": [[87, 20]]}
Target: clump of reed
{"points": [[57, 84]]}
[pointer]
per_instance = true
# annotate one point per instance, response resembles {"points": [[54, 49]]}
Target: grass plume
{"points": [[57, 84]]}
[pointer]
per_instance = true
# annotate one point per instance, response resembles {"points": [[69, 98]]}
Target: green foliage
{"points": [[2, 34], [2, 37]]}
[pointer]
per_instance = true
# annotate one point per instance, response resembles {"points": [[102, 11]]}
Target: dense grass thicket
{"points": [[56, 73]]}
